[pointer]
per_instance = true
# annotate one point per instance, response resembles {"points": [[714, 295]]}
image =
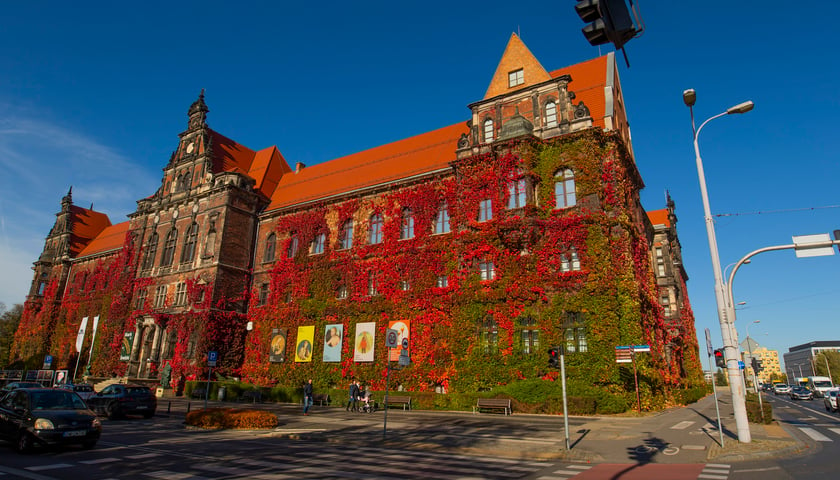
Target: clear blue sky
{"points": [[93, 95]]}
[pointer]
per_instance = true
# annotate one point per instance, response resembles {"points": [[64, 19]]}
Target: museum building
{"points": [[480, 245]]}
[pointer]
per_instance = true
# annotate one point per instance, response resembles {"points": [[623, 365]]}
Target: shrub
{"points": [[231, 418], [754, 410]]}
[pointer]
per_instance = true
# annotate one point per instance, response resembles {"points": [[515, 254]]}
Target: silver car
{"points": [[830, 399]]}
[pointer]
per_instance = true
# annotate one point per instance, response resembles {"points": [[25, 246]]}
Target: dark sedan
{"points": [[801, 393], [118, 400], [47, 416]]}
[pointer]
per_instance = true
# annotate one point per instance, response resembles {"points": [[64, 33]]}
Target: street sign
{"points": [[48, 362], [391, 338], [623, 354], [709, 348], [212, 358], [741, 365], [404, 360], [640, 348], [803, 249], [405, 343]]}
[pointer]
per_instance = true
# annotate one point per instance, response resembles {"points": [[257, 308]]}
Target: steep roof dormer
{"points": [[517, 69]]}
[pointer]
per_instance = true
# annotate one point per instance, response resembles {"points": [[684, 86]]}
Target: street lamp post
{"points": [[729, 336]]}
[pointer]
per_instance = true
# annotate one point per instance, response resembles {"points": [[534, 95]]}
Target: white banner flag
{"points": [[80, 338], [93, 336]]}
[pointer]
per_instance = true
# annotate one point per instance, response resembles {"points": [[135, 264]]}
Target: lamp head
{"points": [[689, 97], [741, 108]]}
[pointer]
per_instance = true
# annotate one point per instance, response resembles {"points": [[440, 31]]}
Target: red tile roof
{"points": [[401, 159], [111, 238], [588, 81], [659, 217], [265, 166], [86, 225]]}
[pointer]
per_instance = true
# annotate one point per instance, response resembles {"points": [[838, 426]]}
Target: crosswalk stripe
{"points": [[719, 465], [835, 430], [682, 425], [713, 477], [580, 467], [815, 435]]}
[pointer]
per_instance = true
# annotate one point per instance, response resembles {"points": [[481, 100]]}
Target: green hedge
{"points": [[754, 410]]}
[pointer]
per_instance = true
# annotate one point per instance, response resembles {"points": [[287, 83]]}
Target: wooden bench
{"points": [[494, 404], [403, 400], [198, 392], [321, 399], [253, 395]]}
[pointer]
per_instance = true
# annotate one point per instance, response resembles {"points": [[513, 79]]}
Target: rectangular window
{"points": [[660, 262], [442, 220], [530, 341], [665, 301], [442, 281], [141, 299], [407, 227], [372, 287], [341, 292], [263, 299], [516, 192], [346, 239], [160, 296], [181, 294], [575, 333], [317, 246], [375, 234], [405, 285], [488, 270], [485, 210], [516, 77]]}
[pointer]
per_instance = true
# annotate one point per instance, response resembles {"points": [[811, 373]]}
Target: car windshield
{"points": [[822, 383], [56, 400]]}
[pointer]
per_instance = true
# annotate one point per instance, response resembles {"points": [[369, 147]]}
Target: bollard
{"points": [[188, 407], [169, 407]]}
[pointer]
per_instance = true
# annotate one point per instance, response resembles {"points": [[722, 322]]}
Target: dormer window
{"points": [[516, 77], [550, 114], [488, 130]]}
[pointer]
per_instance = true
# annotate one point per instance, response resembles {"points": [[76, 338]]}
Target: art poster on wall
{"points": [[277, 350], [402, 328], [333, 333], [125, 348], [303, 348], [363, 342]]}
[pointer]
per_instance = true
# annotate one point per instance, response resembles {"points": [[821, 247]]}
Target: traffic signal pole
{"points": [[714, 390], [565, 405]]}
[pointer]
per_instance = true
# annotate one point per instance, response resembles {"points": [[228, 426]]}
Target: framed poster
{"points": [[303, 348], [277, 349], [333, 334], [60, 377], [125, 348], [363, 341], [402, 328]]}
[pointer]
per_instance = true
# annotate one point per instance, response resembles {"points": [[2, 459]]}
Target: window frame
{"points": [[293, 247], [565, 194], [517, 189], [316, 247], [487, 270], [488, 130], [190, 243], [169, 246], [345, 238], [375, 229], [485, 210], [516, 78], [551, 113], [407, 224], [442, 220], [270, 248]]}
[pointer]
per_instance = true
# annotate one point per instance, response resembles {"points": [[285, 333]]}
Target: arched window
{"points": [[550, 114], [516, 190], [407, 227], [270, 246], [169, 248], [442, 219], [151, 252], [375, 232], [345, 239], [564, 188], [488, 130], [292, 250], [210, 243], [190, 241]]}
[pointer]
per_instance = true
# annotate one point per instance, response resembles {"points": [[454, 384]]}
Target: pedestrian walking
{"points": [[307, 397], [353, 401]]}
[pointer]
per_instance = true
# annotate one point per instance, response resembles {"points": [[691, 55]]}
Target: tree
{"points": [[833, 359], [720, 378], [9, 320]]}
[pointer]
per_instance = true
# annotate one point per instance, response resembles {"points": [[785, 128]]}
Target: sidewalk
{"points": [[651, 438]]}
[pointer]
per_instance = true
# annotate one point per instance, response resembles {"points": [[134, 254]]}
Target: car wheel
{"points": [[112, 411], [24, 443], [89, 445]]}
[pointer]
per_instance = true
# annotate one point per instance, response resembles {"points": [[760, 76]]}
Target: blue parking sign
{"points": [[212, 357]]}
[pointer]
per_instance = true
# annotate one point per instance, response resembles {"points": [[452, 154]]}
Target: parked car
{"points": [[15, 385], [118, 400], [801, 393], [47, 416], [830, 399], [779, 388], [83, 389]]}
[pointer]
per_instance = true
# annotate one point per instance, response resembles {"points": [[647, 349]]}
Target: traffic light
{"points": [[554, 357], [608, 21], [720, 359], [756, 365]]}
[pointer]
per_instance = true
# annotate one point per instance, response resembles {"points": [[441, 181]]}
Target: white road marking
{"points": [[682, 425], [835, 430], [815, 435]]}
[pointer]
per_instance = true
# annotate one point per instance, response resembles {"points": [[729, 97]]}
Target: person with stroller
{"points": [[368, 403]]}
